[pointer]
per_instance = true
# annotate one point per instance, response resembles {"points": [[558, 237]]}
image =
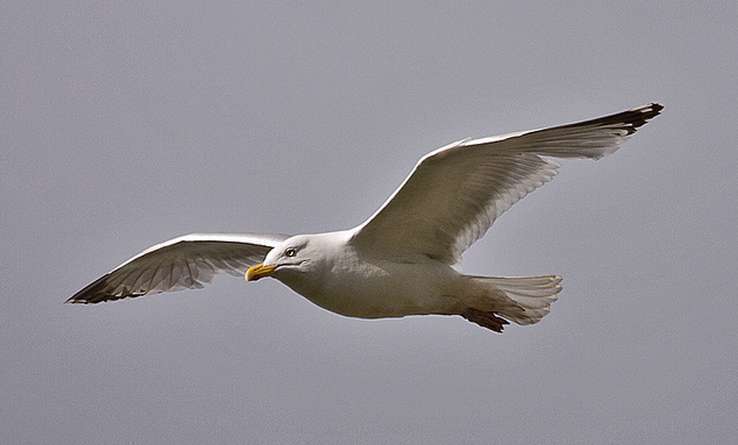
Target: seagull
{"points": [[403, 259]]}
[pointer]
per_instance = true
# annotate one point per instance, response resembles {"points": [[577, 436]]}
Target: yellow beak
{"points": [[259, 271]]}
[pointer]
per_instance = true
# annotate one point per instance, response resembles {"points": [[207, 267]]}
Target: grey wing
{"points": [[455, 193], [186, 262]]}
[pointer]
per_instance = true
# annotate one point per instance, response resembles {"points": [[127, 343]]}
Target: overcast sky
{"points": [[124, 124]]}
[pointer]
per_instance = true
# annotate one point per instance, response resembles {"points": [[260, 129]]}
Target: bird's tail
{"points": [[522, 300]]}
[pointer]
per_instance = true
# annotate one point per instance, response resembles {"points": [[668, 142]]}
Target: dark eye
{"points": [[290, 252]]}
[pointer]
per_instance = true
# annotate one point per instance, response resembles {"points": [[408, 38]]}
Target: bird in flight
{"points": [[399, 261]]}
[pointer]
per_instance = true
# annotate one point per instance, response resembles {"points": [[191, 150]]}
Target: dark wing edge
{"points": [[630, 120], [627, 122]]}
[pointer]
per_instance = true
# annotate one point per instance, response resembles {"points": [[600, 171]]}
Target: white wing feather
{"points": [[185, 262], [455, 193]]}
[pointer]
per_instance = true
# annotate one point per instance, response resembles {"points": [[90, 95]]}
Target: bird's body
{"points": [[401, 260], [357, 284]]}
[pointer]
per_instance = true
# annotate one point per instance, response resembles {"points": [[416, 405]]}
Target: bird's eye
{"points": [[290, 252]]}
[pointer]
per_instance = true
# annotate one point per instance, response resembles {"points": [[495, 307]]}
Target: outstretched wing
{"points": [[185, 262], [455, 193]]}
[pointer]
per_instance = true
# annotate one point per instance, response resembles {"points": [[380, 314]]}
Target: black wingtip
{"points": [[651, 110], [629, 120], [638, 117], [90, 294], [76, 299]]}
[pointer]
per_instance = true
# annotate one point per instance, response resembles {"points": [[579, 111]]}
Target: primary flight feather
{"points": [[399, 261]]}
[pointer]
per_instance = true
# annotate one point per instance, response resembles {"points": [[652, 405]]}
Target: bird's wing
{"points": [[455, 193], [185, 262]]}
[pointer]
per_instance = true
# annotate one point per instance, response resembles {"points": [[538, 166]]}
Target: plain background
{"points": [[123, 124]]}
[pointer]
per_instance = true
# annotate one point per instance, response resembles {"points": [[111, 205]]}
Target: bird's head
{"points": [[294, 256]]}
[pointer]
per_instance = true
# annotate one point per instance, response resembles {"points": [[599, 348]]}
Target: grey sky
{"points": [[124, 124]]}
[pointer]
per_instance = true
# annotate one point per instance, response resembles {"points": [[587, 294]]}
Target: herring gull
{"points": [[401, 260]]}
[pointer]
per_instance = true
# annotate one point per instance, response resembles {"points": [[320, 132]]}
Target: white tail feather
{"points": [[523, 300]]}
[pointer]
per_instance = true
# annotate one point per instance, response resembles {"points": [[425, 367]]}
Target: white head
{"points": [[294, 258]]}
